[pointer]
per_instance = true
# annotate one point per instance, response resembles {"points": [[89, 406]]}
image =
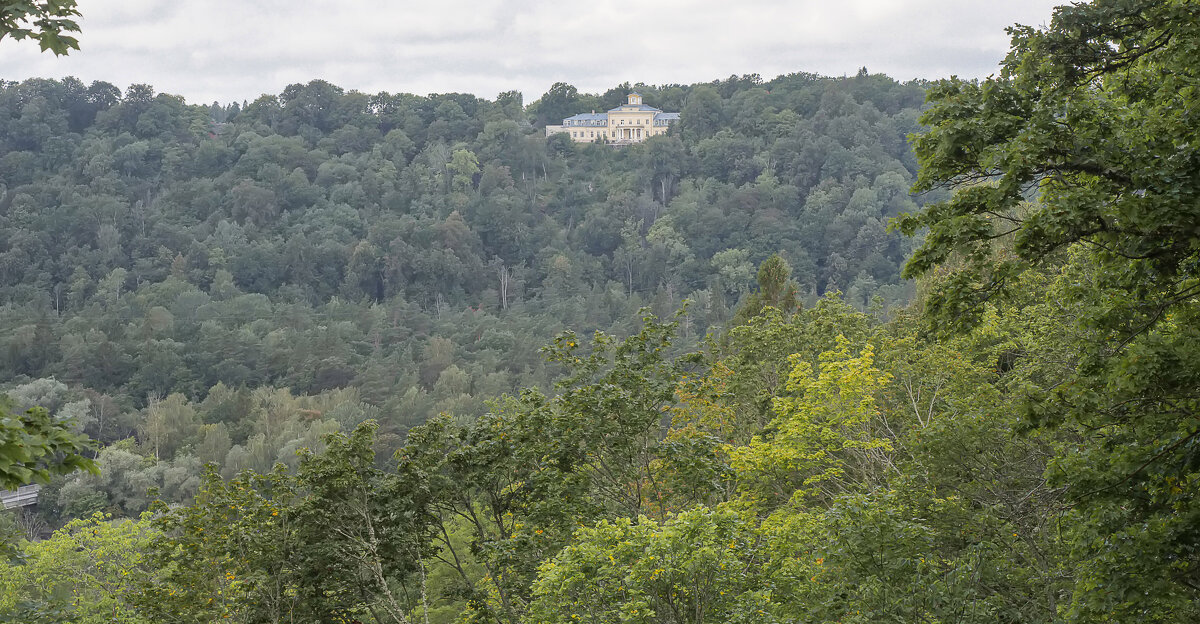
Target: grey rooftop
{"points": [[637, 107]]}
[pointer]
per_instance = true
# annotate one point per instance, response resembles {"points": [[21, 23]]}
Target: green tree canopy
{"points": [[1094, 117]]}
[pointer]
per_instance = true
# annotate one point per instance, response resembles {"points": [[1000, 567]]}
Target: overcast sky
{"points": [[233, 50]]}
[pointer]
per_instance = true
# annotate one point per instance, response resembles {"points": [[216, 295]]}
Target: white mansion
{"points": [[631, 122]]}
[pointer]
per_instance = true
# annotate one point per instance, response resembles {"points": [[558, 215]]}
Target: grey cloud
{"points": [[230, 50]]}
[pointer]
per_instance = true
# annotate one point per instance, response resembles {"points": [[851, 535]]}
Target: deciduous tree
{"points": [[1095, 116]]}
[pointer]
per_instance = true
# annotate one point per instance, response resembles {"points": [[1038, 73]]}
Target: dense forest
{"points": [[832, 350], [231, 283]]}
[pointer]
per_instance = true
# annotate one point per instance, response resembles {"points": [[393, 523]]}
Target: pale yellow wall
{"points": [[581, 134], [629, 118]]}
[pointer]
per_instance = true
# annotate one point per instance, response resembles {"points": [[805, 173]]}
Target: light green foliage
{"points": [[758, 354], [733, 399], [451, 575], [825, 438], [697, 567], [888, 484], [464, 165], [226, 556], [856, 506], [168, 425], [88, 572], [733, 269]]}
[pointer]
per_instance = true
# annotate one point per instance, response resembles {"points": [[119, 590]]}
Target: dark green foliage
{"points": [[233, 284], [1095, 116], [44, 20], [524, 476], [361, 527], [822, 460], [321, 239], [323, 545]]}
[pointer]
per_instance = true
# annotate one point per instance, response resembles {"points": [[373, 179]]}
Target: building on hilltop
{"points": [[632, 122]]}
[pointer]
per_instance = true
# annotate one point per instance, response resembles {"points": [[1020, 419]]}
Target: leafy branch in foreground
{"points": [[33, 446], [44, 20]]}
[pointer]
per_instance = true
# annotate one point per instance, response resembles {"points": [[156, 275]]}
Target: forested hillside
{"points": [[229, 283], [280, 322]]}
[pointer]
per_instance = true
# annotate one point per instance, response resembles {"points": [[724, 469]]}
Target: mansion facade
{"points": [[632, 122]]}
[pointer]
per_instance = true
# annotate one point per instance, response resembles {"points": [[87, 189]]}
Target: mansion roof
{"points": [[658, 115], [634, 107]]}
